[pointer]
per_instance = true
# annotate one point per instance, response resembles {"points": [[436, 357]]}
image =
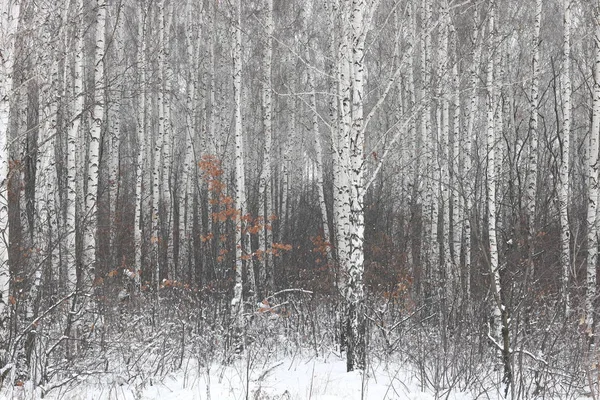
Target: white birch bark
{"points": [[91, 210], [435, 263], [141, 140], [73, 175], [455, 184], [342, 156], [355, 290], [499, 311], [167, 141], [427, 144], [265, 209], [533, 140], [9, 17], [335, 110], [113, 109], [592, 178], [414, 167], [563, 190], [158, 146], [186, 192], [237, 301], [444, 157], [472, 108], [491, 188]]}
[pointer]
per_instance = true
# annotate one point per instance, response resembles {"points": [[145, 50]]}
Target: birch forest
{"points": [[409, 187]]}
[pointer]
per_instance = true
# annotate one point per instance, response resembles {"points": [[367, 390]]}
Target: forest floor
{"points": [[322, 378]]}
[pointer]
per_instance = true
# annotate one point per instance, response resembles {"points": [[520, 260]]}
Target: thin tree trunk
{"points": [[533, 142], [499, 310], [237, 303], [592, 178], [563, 192], [265, 206], [468, 156], [9, 17], [116, 74], [444, 156], [319, 161], [427, 144], [91, 209], [355, 290], [141, 141], [457, 206], [74, 185], [157, 183], [167, 148]]}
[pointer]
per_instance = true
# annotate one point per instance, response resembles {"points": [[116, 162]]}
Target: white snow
{"points": [[289, 378]]}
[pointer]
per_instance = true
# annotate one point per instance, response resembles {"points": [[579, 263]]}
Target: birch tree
{"points": [[444, 157], [166, 210], [186, 184], [349, 174], [72, 197], [141, 139], [158, 144], [9, 17], [355, 290], [114, 101], [533, 141], [237, 303], [457, 206], [592, 194], [265, 206], [429, 237], [500, 335], [91, 195], [563, 192], [467, 145]]}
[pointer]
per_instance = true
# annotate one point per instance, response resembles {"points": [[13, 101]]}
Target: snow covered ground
{"points": [[319, 379]]}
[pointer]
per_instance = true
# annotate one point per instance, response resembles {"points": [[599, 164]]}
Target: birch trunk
{"points": [[444, 157], [355, 290], [158, 146], [426, 140], [533, 142], [73, 176], [491, 189], [457, 206], [414, 167], [9, 17], [592, 178], [319, 160], [563, 191], [185, 185], [114, 107], [265, 209], [467, 155], [499, 311], [91, 209], [166, 213], [141, 141], [238, 301]]}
